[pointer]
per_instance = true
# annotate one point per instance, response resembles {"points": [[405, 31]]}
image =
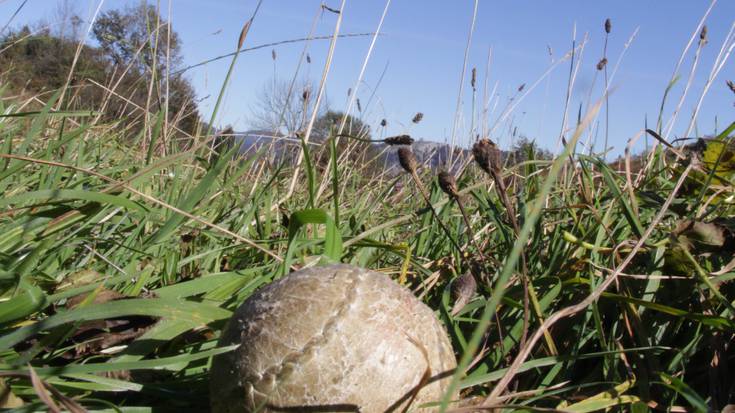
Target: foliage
{"points": [[138, 35], [120, 266], [41, 61]]}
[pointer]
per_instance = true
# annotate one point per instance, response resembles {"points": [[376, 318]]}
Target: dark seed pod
{"points": [[305, 95], [308, 58], [602, 63], [463, 288], [731, 85], [474, 77], [273, 54], [349, 92], [417, 117], [407, 159], [703, 34], [608, 26], [359, 106], [383, 123], [487, 155], [448, 184], [398, 140]]}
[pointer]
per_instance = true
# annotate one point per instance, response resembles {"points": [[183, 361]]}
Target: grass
{"points": [[120, 266]]}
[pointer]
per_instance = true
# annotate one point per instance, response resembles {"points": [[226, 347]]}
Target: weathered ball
{"points": [[332, 338]]}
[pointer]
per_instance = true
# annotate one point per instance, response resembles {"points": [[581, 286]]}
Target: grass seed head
{"points": [[308, 58], [608, 26], [448, 184], [398, 140], [703, 35], [383, 123], [474, 77], [731, 85], [602, 63], [417, 117], [487, 155], [407, 159]]}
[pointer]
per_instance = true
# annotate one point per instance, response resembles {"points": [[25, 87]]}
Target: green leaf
{"points": [[676, 384], [332, 238], [196, 313], [164, 363], [193, 198], [710, 320], [54, 195], [29, 300]]}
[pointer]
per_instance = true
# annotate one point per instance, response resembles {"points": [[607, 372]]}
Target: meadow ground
{"points": [[124, 248]]}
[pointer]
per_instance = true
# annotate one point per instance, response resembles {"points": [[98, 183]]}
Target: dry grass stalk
{"points": [[409, 164], [525, 351], [448, 184], [488, 157]]}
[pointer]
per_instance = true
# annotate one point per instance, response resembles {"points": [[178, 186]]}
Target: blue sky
{"points": [[423, 48]]}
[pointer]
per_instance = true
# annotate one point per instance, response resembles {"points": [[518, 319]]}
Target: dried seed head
{"points": [[359, 106], [273, 54], [602, 63], [417, 117], [463, 288], [486, 155], [308, 58], [306, 94], [383, 123], [608, 26], [243, 34], [349, 92], [521, 87], [731, 85], [474, 77], [407, 159], [398, 140], [703, 34], [448, 184]]}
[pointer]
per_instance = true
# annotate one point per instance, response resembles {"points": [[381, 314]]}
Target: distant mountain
{"points": [[433, 155]]}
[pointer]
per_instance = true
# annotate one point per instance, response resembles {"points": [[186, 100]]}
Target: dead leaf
{"points": [[463, 289]]}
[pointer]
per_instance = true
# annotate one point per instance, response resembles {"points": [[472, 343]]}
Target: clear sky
{"points": [[421, 56]]}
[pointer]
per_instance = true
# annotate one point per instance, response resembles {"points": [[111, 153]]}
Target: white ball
{"points": [[333, 338]]}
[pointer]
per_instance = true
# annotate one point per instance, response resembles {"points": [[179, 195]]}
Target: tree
{"points": [[328, 124], [41, 61], [525, 149], [138, 35], [282, 109], [67, 21]]}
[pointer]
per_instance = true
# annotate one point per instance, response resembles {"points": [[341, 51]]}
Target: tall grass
{"points": [[119, 266]]}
